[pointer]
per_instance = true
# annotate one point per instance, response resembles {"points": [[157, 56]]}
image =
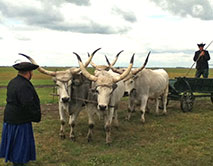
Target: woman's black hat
{"points": [[25, 66]]}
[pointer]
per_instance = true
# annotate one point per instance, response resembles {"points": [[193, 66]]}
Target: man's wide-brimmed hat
{"points": [[25, 66], [201, 45]]}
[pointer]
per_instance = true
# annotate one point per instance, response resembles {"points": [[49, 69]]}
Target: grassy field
{"points": [[7, 73], [177, 139]]}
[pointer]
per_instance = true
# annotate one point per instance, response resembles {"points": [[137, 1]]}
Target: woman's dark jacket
{"points": [[23, 104], [202, 62]]}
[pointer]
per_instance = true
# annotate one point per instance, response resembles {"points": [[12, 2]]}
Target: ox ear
{"points": [[133, 92], [114, 86], [93, 87]]}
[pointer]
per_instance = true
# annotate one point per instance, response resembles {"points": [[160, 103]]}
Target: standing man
{"points": [[202, 57], [22, 108]]}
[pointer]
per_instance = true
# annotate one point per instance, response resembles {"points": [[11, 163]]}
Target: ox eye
{"points": [[96, 91]]}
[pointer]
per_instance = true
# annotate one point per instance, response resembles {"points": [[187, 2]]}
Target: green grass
{"points": [[177, 139], [3, 92], [180, 139], [45, 94], [184, 72]]}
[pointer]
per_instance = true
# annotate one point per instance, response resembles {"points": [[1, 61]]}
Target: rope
{"points": [[89, 101]]}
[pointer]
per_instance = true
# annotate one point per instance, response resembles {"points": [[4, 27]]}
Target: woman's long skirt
{"points": [[17, 144]]}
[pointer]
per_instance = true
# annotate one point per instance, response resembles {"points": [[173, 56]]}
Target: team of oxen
{"points": [[100, 94]]}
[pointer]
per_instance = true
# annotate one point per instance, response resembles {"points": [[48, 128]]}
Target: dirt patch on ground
{"points": [[49, 108]]}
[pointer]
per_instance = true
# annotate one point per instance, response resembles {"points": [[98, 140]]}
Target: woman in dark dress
{"points": [[22, 108]]}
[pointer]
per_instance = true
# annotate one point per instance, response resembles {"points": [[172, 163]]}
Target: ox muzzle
{"points": [[65, 99], [126, 94], [102, 107]]}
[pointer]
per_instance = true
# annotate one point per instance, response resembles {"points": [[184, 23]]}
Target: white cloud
{"points": [[50, 31]]}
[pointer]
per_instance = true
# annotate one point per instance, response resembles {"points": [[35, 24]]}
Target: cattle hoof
{"points": [[164, 113], [108, 144], [73, 138], [62, 137], [89, 139], [127, 118], [148, 111]]}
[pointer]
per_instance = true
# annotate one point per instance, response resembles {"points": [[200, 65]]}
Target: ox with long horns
{"points": [[63, 80], [143, 84], [98, 68], [109, 89]]}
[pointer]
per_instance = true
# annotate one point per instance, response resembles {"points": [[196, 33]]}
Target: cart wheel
{"points": [[187, 101], [211, 97]]}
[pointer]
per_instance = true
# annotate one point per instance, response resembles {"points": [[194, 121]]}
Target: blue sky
{"points": [[50, 31]]}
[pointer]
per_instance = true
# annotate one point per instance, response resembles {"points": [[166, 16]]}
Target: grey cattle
{"points": [[143, 84], [80, 88], [109, 91], [63, 80], [147, 84]]}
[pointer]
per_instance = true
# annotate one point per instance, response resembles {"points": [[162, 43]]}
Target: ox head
{"points": [[63, 89], [63, 79], [104, 83], [129, 81]]}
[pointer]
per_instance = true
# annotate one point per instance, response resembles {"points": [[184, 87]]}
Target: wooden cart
{"points": [[186, 90]]}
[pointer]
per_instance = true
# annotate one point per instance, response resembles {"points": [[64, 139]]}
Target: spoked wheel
{"points": [[187, 101]]}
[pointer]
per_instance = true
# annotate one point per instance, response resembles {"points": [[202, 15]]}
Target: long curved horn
{"points": [[113, 63], [104, 67], [98, 67], [87, 62], [119, 71], [116, 58], [134, 72], [83, 69], [126, 72], [91, 63], [42, 70], [52, 73]]}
